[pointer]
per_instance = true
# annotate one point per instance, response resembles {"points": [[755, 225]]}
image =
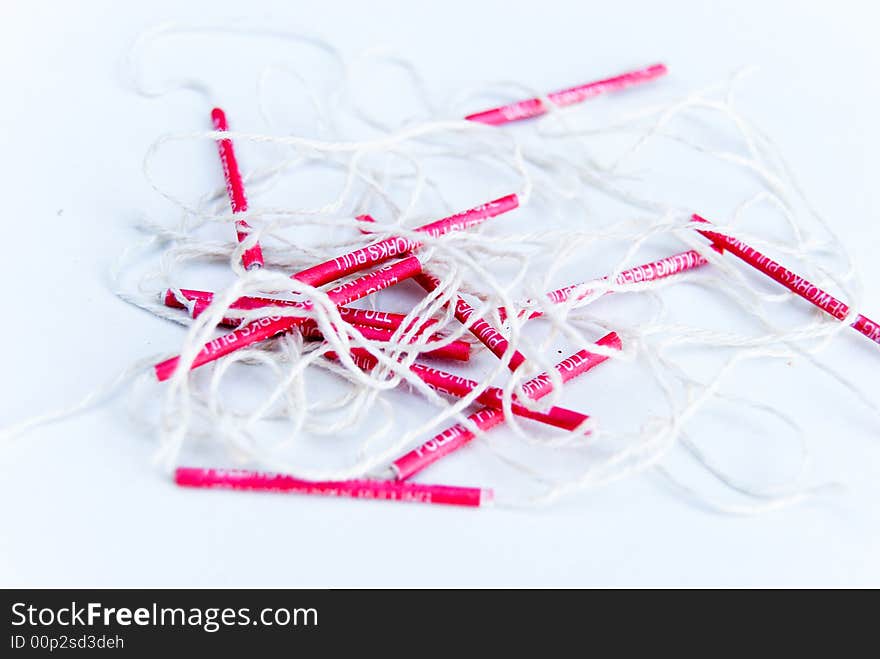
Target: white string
{"points": [[395, 171]]}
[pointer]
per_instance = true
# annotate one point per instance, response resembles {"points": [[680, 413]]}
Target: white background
{"points": [[80, 503]]}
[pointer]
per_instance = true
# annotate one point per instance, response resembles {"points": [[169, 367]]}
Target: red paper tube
{"points": [[381, 323], [485, 333], [454, 385], [253, 257], [795, 283], [534, 107], [458, 435], [665, 267], [382, 250], [459, 350], [367, 219], [265, 328], [239, 479], [368, 317]]}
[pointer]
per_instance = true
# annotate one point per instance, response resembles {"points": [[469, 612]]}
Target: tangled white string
{"points": [[587, 189]]}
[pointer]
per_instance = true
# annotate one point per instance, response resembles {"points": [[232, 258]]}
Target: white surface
{"points": [[81, 503]]}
